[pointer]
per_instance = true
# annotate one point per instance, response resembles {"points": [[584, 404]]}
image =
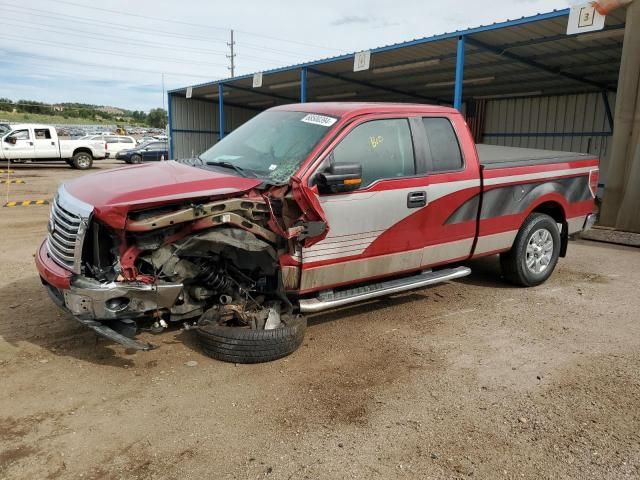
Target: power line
{"points": [[104, 66], [77, 32], [107, 52], [199, 25], [130, 28], [83, 33], [144, 31]]}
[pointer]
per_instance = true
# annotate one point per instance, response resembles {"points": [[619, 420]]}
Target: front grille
{"points": [[67, 225]]}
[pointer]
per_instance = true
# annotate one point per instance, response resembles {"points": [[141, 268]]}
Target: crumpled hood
{"points": [[112, 193]]}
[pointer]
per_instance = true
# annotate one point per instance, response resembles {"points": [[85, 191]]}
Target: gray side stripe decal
{"points": [[517, 198]]}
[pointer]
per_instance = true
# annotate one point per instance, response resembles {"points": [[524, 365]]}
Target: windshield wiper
{"points": [[241, 171]]}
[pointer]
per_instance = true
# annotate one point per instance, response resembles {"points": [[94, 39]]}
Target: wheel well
{"points": [[555, 211], [83, 150]]}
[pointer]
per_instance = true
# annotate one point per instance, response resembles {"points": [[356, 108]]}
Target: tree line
{"points": [[157, 117]]}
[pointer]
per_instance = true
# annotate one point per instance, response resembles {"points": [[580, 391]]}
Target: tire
{"points": [[243, 345], [82, 161], [135, 159], [535, 252]]}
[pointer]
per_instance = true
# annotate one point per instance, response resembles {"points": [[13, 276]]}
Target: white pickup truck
{"points": [[40, 143]]}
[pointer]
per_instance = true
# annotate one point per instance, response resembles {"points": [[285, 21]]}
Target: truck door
{"points": [[367, 238], [45, 143], [406, 214], [18, 145]]}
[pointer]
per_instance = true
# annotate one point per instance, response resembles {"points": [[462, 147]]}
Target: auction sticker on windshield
{"points": [[319, 120]]}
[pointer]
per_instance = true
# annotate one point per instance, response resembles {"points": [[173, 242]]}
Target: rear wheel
{"points": [[136, 159], [82, 160], [535, 252]]}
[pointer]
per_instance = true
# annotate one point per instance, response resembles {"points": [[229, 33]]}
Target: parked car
{"points": [[146, 152], [305, 208], [33, 142], [145, 140], [114, 143]]}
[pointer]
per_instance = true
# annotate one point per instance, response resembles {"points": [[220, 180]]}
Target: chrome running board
{"points": [[331, 299]]}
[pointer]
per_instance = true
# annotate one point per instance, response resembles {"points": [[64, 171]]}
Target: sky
{"points": [[115, 52]]}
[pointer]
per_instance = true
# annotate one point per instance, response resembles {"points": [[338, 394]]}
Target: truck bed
{"points": [[495, 156]]}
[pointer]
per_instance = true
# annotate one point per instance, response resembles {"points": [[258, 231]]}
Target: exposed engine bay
{"points": [[201, 264]]}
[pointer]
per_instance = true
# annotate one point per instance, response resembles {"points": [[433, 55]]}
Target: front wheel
{"points": [[244, 345], [82, 161], [135, 159], [535, 252]]}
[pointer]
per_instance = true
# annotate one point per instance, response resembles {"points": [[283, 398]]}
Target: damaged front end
{"points": [[196, 264]]}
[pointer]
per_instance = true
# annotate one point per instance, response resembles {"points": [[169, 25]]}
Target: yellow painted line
{"points": [[12, 181], [7, 171], [26, 203]]}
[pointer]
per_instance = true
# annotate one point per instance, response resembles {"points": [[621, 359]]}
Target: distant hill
{"points": [[78, 113]]}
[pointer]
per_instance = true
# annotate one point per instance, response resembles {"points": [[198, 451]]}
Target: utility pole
{"points": [[232, 56]]}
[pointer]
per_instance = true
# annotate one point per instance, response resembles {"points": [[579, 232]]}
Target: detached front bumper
{"points": [[92, 302]]}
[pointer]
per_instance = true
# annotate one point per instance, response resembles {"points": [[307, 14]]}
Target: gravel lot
{"points": [[471, 379]]}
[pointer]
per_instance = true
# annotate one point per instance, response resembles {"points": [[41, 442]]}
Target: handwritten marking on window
{"points": [[375, 141]]}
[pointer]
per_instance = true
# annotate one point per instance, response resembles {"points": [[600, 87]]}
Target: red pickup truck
{"points": [[305, 208]]}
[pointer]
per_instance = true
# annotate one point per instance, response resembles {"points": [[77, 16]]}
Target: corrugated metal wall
{"points": [[574, 123], [194, 124]]}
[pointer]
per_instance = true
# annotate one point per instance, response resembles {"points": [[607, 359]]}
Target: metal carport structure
{"points": [[521, 82]]}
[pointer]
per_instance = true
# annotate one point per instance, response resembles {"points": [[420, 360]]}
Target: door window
{"points": [[111, 139], [42, 134], [126, 140], [20, 135], [443, 144], [383, 147]]}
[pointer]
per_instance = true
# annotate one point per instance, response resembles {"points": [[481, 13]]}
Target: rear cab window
{"points": [[42, 133], [384, 148], [443, 150]]}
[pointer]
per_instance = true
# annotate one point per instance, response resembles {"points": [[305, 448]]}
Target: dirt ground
{"points": [[470, 379]]}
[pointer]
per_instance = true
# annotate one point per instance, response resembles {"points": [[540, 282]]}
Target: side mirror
{"points": [[11, 140], [340, 177]]}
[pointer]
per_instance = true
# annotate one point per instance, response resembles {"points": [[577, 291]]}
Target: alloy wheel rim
{"points": [[539, 251]]}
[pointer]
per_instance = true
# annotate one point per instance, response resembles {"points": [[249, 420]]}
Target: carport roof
{"points": [[529, 56]]}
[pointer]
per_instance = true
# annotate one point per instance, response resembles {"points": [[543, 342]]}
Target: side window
{"points": [[383, 147], [20, 135], [154, 146], [42, 133], [126, 140], [443, 144], [111, 139]]}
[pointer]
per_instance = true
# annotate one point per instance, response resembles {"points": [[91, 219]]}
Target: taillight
{"points": [[106, 146], [593, 181]]}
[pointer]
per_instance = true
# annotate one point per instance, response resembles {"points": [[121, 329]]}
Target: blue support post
{"points": [[457, 92], [220, 111], [170, 123], [303, 85]]}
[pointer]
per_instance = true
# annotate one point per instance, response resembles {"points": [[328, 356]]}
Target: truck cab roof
{"points": [[352, 109], [17, 126]]}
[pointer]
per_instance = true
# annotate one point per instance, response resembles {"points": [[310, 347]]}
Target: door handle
{"points": [[416, 199], [53, 143], [31, 143]]}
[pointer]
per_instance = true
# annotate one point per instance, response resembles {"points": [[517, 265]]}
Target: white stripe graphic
{"points": [[366, 215], [536, 176]]}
